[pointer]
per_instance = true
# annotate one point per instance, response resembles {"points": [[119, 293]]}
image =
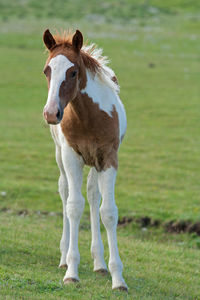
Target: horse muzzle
{"points": [[53, 114]]}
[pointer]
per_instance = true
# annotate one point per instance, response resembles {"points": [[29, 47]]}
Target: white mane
{"points": [[104, 73]]}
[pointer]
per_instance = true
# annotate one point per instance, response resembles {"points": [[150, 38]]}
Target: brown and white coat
{"points": [[88, 122]]}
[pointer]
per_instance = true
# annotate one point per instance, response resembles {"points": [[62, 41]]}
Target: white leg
{"points": [[63, 190], [73, 165], [94, 198], [109, 216]]}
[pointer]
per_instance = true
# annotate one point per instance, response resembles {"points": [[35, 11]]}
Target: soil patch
{"points": [[173, 226]]}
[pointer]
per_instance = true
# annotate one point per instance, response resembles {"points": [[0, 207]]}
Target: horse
{"points": [[87, 122]]}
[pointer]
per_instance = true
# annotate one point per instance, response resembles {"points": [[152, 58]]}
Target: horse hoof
{"points": [[121, 288], [64, 266], [103, 272], [70, 280]]}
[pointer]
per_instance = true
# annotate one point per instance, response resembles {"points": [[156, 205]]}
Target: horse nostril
{"points": [[58, 115]]}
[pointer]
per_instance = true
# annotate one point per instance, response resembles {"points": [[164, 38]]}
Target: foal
{"points": [[88, 122]]}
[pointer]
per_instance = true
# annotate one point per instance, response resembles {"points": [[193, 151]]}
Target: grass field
{"points": [[157, 61]]}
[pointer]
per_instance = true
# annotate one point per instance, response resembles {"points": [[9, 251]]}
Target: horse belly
{"points": [[101, 155]]}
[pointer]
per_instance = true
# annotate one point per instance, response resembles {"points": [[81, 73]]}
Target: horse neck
{"points": [[99, 92]]}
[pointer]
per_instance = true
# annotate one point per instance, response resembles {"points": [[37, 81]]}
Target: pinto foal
{"points": [[87, 122]]}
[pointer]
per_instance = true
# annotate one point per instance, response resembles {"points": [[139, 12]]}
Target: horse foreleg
{"points": [[63, 191], [73, 165]]}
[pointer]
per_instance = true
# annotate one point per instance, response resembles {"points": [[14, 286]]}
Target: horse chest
{"points": [[93, 134]]}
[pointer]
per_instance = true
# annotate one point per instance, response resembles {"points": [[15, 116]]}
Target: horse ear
{"points": [[48, 39], [77, 41]]}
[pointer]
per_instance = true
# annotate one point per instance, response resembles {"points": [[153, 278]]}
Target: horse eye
{"points": [[73, 74]]}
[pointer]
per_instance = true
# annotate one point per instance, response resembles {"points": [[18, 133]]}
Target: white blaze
{"points": [[59, 65]]}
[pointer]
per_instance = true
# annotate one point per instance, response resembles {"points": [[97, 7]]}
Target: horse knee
{"points": [[109, 215], [75, 206]]}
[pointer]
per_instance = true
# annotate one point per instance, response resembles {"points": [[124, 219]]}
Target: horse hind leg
{"points": [[109, 216], [94, 198], [63, 191]]}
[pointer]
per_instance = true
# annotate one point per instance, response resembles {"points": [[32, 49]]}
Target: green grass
{"points": [[157, 61], [109, 10], [159, 159], [30, 255]]}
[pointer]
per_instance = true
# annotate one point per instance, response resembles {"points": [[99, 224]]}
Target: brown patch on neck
{"points": [[90, 63], [82, 75], [91, 132]]}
